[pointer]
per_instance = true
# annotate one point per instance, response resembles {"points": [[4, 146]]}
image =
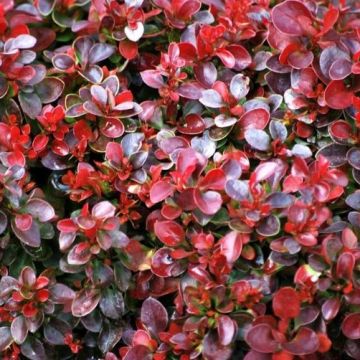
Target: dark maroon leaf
{"points": [[351, 326]]}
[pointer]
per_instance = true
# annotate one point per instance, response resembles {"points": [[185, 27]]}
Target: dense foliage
{"points": [[179, 179]]}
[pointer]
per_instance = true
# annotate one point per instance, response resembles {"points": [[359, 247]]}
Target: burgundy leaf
{"points": [[351, 326], [330, 308], [292, 18], [85, 302], [261, 339]]}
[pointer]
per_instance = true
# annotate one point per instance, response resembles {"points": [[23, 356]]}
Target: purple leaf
{"points": [[269, 226], [152, 78], [278, 130], [226, 330], [330, 308], [261, 339], [239, 86], [5, 337], [305, 342], [19, 329], [61, 294], [213, 349], [208, 202], [335, 153], [190, 90], [29, 237], [99, 94], [301, 151], [79, 255], [258, 139], [353, 157], [40, 209], [100, 52], [211, 98], [49, 89], [154, 316], [55, 331], [33, 349], [205, 74], [138, 352], [353, 200], [93, 74], [30, 104], [237, 189], [62, 62]]}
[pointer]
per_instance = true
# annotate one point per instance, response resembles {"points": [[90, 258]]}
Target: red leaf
{"points": [[286, 303], [169, 232], [215, 179], [160, 191], [227, 58], [337, 95], [128, 49], [231, 245]]}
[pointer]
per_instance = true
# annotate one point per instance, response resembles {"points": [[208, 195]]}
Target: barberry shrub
{"points": [[179, 179]]}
